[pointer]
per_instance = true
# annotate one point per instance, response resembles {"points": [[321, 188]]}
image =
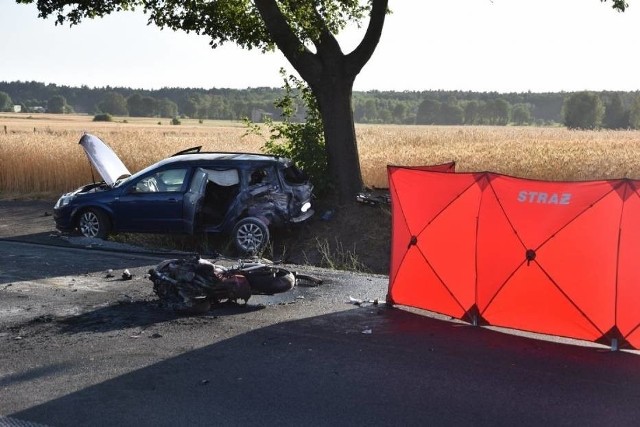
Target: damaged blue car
{"points": [[240, 194]]}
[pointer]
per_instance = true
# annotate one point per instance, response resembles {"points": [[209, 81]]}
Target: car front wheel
{"points": [[94, 223], [250, 235]]}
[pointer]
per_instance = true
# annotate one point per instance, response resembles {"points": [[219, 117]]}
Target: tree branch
{"points": [[361, 55], [302, 59], [619, 5]]}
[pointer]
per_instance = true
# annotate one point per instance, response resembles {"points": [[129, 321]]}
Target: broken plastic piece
{"points": [[355, 301]]}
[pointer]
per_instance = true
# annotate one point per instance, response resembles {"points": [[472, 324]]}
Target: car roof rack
{"points": [[191, 150], [196, 150]]}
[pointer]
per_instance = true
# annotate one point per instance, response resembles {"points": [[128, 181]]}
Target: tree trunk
{"points": [[330, 75], [334, 103]]}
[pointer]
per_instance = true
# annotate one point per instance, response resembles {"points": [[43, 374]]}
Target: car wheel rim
{"points": [[250, 237], [89, 224]]}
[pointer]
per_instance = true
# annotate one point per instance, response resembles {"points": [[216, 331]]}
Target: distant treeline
{"points": [[408, 107]]}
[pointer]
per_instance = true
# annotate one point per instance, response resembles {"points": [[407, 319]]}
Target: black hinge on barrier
{"points": [[413, 241], [531, 255]]}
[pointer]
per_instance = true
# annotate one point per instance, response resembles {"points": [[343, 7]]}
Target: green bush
{"points": [[176, 121], [301, 142], [103, 117]]}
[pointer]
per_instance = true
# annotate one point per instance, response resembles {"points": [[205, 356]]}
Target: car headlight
{"points": [[305, 207], [63, 201]]}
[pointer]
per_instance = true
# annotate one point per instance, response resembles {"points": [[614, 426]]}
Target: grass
{"points": [[337, 257]]}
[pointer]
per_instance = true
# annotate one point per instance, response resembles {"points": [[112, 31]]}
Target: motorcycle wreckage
{"points": [[193, 285]]}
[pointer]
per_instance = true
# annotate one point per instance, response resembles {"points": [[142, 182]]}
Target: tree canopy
{"points": [[58, 105], [114, 103], [620, 5], [583, 110], [5, 101]]}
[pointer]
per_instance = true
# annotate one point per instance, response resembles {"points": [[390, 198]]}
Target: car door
{"points": [[153, 202], [193, 199]]}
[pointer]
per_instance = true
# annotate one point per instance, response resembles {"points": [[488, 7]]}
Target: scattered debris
{"points": [[360, 302], [355, 301], [155, 335], [45, 318], [367, 332], [371, 199]]}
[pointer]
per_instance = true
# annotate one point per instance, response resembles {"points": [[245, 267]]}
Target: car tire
{"points": [[250, 235], [94, 223]]}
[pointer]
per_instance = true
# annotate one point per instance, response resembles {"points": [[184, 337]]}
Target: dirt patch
{"points": [[351, 236]]}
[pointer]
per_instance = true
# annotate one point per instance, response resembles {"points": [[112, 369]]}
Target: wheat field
{"points": [[39, 154]]}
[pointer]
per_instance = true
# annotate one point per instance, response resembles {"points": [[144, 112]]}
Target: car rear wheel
{"points": [[94, 223], [250, 235]]}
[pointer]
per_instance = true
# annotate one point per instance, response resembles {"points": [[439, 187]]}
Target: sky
{"points": [[469, 45]]}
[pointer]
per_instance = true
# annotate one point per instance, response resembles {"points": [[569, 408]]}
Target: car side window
{"points": [[146, 185], [261, 176], [170, 180]]}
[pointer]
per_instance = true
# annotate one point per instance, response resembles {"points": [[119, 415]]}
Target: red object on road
{"points": [[558, 258]]}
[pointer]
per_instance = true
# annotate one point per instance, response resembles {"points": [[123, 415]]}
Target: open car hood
{"points": [[103, 159]]}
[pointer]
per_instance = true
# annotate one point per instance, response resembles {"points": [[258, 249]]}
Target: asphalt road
{"points": [[78, 348]]}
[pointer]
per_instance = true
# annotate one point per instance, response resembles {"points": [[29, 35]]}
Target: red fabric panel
{"points": [[448, 244], [502, 251], [530, 302], [418, 285], [558, 258], [409, 220], [628, 290], [581, 259], [537, 209], [572, 227]]}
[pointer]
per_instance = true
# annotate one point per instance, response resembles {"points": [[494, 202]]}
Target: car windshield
{"points": [[135, 175]]}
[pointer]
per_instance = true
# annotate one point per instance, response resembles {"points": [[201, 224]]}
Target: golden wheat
{"points": [[556, 154], [39, 154], [42, 156]]}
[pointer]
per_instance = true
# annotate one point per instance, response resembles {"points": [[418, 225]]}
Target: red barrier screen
{"points": [[551, 257]]}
